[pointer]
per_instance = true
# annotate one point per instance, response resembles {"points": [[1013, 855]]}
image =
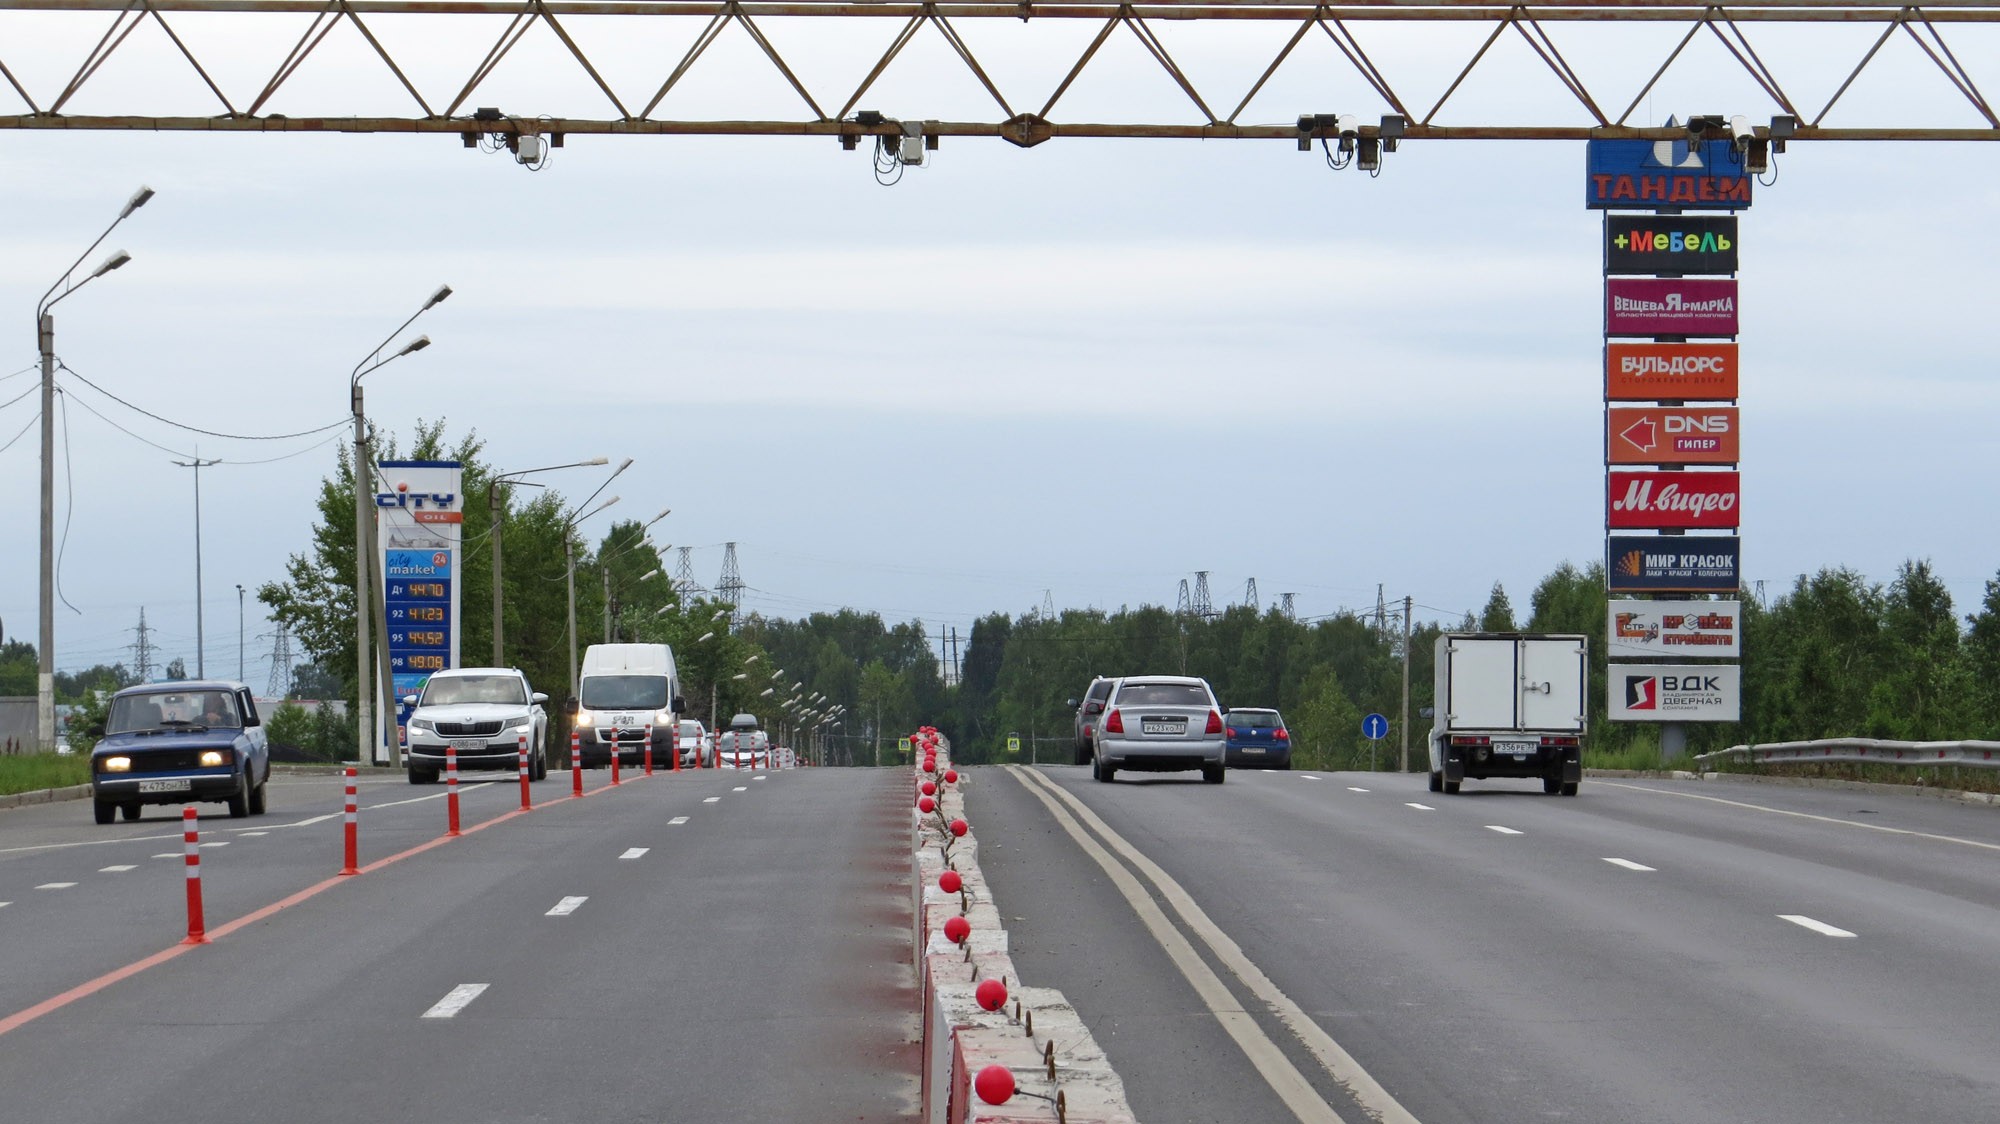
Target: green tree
{"points": [[1498, 616], [1926, 691], [1325, 725], [290, 726]]}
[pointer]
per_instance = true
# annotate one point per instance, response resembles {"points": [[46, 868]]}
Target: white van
{"points": [[624, 689]]}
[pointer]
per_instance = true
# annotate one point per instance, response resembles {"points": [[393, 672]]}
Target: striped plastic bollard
{"points": [[451, 789], [527, 802], [649, 749], [576, 763], [197, 930], [351, 864], [617, 750]]}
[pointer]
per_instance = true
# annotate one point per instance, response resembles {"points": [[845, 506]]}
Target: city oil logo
{"points": [[1679, 244]]}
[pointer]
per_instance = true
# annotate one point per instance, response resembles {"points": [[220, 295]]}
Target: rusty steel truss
{"points": [[1021, 120]]}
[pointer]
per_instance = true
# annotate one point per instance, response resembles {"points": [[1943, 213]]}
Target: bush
{"points": [[291, 726]]}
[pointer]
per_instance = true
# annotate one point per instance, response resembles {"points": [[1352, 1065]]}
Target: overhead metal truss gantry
{"points": [[1022, 117]]}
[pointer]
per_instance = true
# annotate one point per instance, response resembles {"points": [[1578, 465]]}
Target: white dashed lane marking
{"points": [[1628, 864], [216, 843], [677, 819], [115, 869], [710, 799], [454, 1001], [740, 788], [564, 908], [1501, 830], [634, 852], [252, 834], [1418, 807], [1307, 777], [171, 855], [1351, 788], [55, 885], [1820, 927]]}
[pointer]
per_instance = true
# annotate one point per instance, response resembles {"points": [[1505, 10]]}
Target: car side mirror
{"points": [[409, 700], [571, 706], [538, 698], [96, 730], [1072, 702], [680, 705], [251, 721]]}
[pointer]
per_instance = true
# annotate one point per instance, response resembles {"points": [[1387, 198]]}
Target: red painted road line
{"points": [[91, 987]]}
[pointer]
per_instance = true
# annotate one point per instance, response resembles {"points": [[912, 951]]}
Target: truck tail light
{"points": [[1214, 722], [1469, 739], [1282, 734], [1113, 724], [1561, 741]]}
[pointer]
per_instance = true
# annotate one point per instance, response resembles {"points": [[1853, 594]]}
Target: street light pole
{"points": [[569, 561], [239, 634], [364, 475], [45, 343], [493, 507], [200, 637]]}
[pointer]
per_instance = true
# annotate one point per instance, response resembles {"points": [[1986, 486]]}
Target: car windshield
{"points": [[448, 689], [175, 710], [624, 692], [1163, 694], [1260, 718]]}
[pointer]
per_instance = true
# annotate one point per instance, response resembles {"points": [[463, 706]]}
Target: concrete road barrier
{"points": [[1059, 1072]]}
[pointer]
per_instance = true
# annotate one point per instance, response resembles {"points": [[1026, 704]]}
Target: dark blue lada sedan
{"points": [[180, 743]]}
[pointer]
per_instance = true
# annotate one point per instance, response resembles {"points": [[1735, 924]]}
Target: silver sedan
{"points": [[1160, 724]]}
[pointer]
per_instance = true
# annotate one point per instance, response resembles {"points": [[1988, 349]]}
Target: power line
{"points": [[196, 429]]}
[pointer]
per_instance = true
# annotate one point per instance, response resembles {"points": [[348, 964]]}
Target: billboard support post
{"points": [[1673, 741]]}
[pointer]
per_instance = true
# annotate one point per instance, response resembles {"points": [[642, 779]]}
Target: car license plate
{"points": [[1518, 749], [469, 745], [1174, 728], [1253, 749], [178, 784]]}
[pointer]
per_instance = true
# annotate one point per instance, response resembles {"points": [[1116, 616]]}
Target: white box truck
{"points": [[624, 690], [1509, 705]]}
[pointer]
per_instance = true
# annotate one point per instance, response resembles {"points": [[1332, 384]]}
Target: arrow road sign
{"points": [[1375, 727]]}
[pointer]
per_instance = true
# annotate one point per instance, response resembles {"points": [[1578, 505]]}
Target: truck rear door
{"points": [[1553, 684], [1483, 684]]}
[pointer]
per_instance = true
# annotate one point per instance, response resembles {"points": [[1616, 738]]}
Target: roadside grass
{"points": [[33, 771]]}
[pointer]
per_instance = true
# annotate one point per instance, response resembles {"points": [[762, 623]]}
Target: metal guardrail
{"points": [[1972, 754]]}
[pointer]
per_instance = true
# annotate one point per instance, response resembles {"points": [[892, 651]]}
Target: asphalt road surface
{"points": [[707, 946], [1648, 952]]}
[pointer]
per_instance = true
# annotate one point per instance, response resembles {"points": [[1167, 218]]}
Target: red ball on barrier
{"points": [[950, 882], [960, 827], [956, 929], [929, 789], [951, 776], [926, 805], [991, 994], [995, 1084], [930, 764]]}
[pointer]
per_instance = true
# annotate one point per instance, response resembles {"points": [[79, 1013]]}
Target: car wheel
{"points": [[1569, 788], [257, 800], [538, 769], [239, 801], [131, 810], [1437, 782], [423, 776], [104, 812], [1213, 774], [1451, 788]]}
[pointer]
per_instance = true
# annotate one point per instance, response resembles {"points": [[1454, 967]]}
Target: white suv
{"points": [[480, 713]]}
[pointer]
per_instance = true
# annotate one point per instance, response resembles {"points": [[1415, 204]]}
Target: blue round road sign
{"points": [[1375, 727]]}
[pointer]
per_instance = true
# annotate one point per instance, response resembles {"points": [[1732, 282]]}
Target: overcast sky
{"points": [[1092, 367]]}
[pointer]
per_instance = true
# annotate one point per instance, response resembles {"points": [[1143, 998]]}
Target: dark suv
{"points": [[1088, 709]]}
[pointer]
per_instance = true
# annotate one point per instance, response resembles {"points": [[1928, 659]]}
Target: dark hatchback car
{"points": [[1256, 739], [180, 743]]}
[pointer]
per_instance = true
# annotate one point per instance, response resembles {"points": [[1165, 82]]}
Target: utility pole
{"points": [[605, 569], [1183, 605], [142, 649], [200, 642], [730, 590], [1286, 606], [280, 684], [239, 634], [1406, 683]]}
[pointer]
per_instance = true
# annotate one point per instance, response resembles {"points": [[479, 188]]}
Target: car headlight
{"points": [[583, 718], [420, 726], [522, 723], [664, 718], [212, 758], [115, 765]]}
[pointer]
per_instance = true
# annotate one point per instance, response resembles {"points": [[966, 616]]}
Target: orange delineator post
{"points": [[352, 864], [451, 789], [197, 931], [649, 749], [527, 802], [616, 749], [575, 763]]}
